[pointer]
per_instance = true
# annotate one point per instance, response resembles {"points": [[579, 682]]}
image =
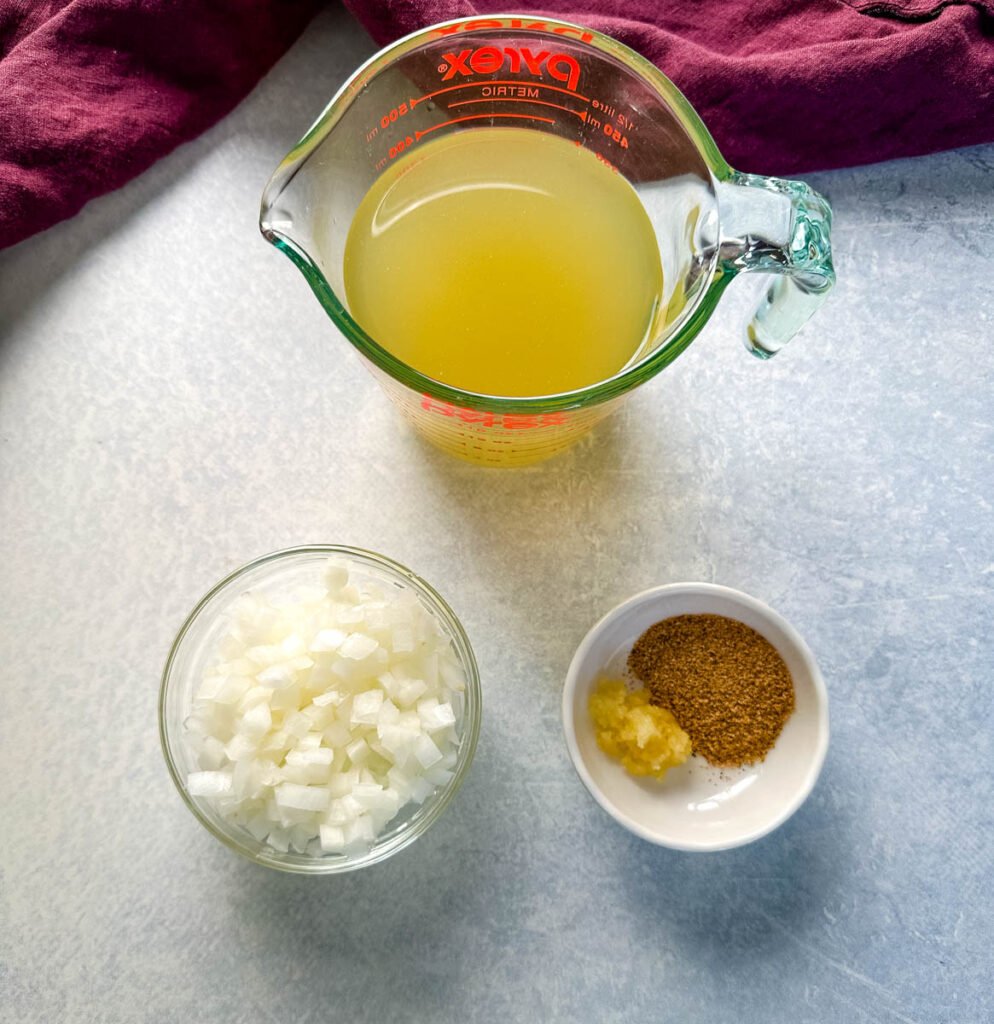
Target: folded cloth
{"points": [[787, 86], [94, 91]]}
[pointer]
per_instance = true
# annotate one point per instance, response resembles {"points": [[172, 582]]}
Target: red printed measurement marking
{"points": [[609, 111], [395, 113], [614, 135], [603, 159], [501, 81], [508, 420], [625, 122], [399, 147], [408, 141], [581, 114], [392, 115], [489, 23], [405, 108], [480, 117]]}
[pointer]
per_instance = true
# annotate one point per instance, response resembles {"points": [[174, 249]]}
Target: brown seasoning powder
{"points": [[725, 684]]}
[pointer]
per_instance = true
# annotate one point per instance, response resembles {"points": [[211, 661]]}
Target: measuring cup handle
{"points": [[777, 227]]}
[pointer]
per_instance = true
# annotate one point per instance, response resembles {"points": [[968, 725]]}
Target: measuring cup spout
{"points": [[276, 212], [772, 226], [305, 212]]}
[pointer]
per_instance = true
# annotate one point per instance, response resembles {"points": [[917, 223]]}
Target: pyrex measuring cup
{"points": [[710, 221]]}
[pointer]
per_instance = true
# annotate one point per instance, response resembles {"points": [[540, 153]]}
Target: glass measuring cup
{"points": [[711, 222]]}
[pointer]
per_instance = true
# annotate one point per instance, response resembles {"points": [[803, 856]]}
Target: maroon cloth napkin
{"points": [[93, 91], [789, 85]]}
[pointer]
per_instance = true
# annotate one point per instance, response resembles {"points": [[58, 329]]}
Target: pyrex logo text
{"points": [[485, 60]]}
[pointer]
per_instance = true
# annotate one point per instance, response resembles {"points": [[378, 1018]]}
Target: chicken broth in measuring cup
{"points": [[517, 222], [505, 261]]}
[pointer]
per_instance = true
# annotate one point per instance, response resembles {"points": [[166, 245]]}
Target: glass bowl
{"points": [[274, 575]]}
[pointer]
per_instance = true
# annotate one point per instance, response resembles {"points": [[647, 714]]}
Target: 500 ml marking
{"points": [[390, 117]]}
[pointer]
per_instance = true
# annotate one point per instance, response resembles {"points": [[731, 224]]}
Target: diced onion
{"points": [[208, 783], [302, 798], [324, 715]]}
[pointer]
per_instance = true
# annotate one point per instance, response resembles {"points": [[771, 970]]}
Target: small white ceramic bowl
{"points": [[697, 807]]}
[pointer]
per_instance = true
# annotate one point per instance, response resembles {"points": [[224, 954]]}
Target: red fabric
{"points": [[787, 86], [93, 91]]}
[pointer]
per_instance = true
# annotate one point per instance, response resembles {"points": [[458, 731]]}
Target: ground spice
{"points": [[726, 685]]}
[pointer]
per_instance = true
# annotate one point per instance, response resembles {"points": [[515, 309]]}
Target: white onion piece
{"points": [[208, 783], [426, 752], [211, 753], [302, 798], [279, 839], [336, 576], [357, 646], [436, 716], [410, 690], [316, 756], [257, 721], [358, 751], [328, 640], [332, 838], [366, 707], [325, 714], [420, 789], [276, 676]]}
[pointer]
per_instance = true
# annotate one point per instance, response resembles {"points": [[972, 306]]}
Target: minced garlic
{"points": [[644, 738]]}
